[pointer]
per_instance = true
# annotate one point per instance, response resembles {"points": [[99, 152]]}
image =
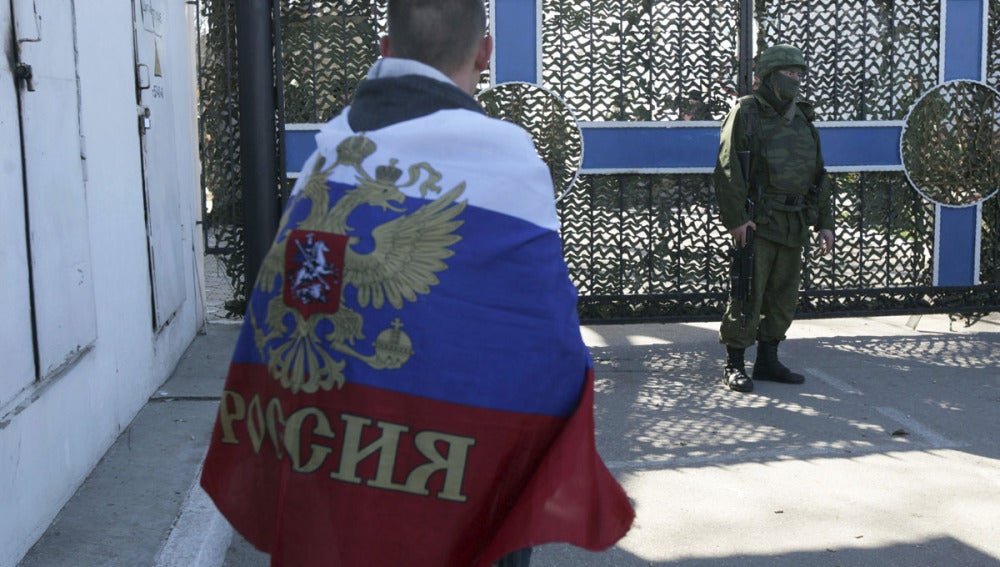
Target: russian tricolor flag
{"points": [[410, 386]]}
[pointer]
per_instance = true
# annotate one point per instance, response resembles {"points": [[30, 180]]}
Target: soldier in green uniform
{"points": [[792, 195]]}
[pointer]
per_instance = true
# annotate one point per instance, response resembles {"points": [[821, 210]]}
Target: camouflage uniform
{"points": [[787, 164]]}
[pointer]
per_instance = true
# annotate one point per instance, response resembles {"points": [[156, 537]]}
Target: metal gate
{"points": [[647, 84]]}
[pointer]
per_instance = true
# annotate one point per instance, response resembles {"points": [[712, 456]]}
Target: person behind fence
{"points": [[410, 386], [769, 210]]}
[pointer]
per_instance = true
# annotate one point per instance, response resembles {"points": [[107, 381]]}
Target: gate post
{"points": [[257, 131]]}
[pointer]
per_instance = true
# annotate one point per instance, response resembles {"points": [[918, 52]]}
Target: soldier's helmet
{"points": [[776, 56]]}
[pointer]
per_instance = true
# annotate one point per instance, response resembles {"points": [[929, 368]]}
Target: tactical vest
{"points": [[784, 162]]}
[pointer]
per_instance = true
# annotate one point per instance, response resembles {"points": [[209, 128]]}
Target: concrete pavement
{"points": [[887, 455], [126, 512]]}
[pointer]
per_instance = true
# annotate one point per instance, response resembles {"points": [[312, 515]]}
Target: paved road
{"points": [[888, 455]]}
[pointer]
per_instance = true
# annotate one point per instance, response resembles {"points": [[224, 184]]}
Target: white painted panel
{"points": [[160, 178], [15, 308], [54, 170]]}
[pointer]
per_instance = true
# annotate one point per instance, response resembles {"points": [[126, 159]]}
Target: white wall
{"points": [[53, 432]]}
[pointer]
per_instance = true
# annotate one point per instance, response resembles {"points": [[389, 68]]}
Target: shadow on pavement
{"points": [[928, 553], [664, 405]]}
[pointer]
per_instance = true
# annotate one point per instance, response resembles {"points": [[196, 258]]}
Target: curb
{"points": [[200, 536]]}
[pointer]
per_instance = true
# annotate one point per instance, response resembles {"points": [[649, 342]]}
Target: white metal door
{"points": [[15, 307], [160, 179], [58, 229]]}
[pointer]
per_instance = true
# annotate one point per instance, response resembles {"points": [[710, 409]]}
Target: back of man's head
{"points": [[441, 33]]}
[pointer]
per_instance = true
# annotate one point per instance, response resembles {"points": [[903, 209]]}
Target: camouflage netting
{"points": [[552, 127], [220, 143], [650, 246], [868, 60], [951, 143]]}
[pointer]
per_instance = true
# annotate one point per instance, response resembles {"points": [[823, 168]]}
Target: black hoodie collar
{"points": [[383, 102]]}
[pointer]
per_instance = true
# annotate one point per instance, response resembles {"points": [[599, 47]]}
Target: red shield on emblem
{"points": [[314, 269]]}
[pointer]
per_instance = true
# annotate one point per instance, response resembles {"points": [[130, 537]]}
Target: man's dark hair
{"points": [[440, 33]]}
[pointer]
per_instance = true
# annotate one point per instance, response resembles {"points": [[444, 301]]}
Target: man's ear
{"points": [[384, 46], [484, 53]]}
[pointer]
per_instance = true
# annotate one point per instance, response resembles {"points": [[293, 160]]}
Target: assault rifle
{"points": [[741, 271]]}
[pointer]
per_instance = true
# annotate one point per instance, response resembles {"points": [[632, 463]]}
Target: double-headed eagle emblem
{"points": [[309, 329]]}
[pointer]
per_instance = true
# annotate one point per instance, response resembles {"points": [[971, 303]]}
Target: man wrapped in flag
{"points": [[410, 386]]}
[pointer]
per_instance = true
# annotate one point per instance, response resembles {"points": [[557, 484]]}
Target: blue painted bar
{"points": [[515, 41], [956, 241], [637, 147], [963, 42], [299, 145], [649, 147], [958, 227], [853, 146]]}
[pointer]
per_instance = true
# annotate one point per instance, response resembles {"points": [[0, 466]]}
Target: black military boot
{"points": [[768, 367], [735, 375]]}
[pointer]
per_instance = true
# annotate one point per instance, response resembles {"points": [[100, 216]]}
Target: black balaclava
{"points": [[785, 88]]}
